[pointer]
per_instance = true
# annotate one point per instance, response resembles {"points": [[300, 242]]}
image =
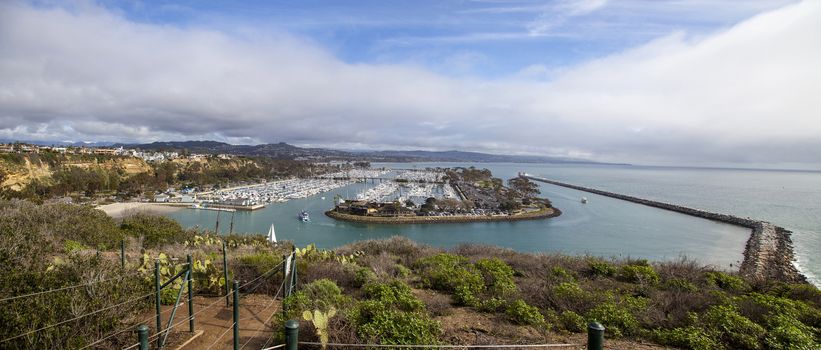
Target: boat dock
{"points": [[768, 253]]}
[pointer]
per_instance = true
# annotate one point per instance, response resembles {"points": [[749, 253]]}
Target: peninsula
{"points": [[447, 195]]}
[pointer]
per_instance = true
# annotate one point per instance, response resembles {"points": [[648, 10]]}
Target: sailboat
{"points": [[272, 236]]}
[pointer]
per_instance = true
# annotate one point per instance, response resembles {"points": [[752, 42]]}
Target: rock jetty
{"points": [[767, 255]]}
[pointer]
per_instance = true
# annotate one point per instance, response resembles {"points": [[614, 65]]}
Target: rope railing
{"points": [[221, 335], [281, 286], [121, 331], [68, 287], [262, 275], [443, 346], [76, 318]]}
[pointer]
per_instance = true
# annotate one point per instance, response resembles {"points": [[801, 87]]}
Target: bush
{"points": [[364, 276], [726, 282], [788, 333], [521, 313], [618, 317], [561, 273], [452, 273], [690, 337], [498, 277], [572, 322], [261, 262], [601, 268], [156, 230], [640, 274], [392, 315], [681, 285], [731, 328]]}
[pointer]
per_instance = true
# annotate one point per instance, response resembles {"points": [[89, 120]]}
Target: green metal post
{"points": [[225, 271], [236, 315], [122, 254], [142, 336], [157, 300], [291, 334], [190, 294], [595, 336]]}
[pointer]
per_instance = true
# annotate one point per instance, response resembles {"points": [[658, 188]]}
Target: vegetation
{"points": [[389, 291]]}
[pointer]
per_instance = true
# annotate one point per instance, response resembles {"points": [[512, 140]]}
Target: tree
{"points": [[524, 187]]}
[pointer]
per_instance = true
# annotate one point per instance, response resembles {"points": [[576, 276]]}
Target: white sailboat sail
{"points": [[272, 236]]}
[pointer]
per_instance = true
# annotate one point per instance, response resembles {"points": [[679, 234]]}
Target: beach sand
{"points": [[120, 210]]}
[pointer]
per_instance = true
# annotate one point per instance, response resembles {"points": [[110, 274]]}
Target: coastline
{"points": [[542, 214], [120, 210], [768, 253]]}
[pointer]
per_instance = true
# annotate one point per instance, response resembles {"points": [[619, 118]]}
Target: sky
{"points": [[666, 82]]}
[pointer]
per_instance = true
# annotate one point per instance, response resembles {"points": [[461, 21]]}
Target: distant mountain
{"points": [[274, 150], [460, 156], [286, 151], [60, 143]]}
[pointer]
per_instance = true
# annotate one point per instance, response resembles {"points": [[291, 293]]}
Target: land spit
{"points": [[541, 214], [768, 253]]}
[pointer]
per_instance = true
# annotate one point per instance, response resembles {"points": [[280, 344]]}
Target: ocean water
{"points": [[603, 227]]}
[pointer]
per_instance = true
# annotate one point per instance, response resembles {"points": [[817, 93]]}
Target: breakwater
{"points": [[768, 253], [456, 219]]}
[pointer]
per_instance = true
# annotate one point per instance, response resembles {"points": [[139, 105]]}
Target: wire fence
{"points": [[442, 346], [68, 287]]}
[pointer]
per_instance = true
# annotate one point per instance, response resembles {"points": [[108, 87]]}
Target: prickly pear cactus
{"points": [[320, 320]]}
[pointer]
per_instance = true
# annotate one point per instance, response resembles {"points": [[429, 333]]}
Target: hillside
{"points": [[390, 291], [286, 151]]}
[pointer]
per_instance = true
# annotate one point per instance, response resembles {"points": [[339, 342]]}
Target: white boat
{"points": [[584, 200], [304, 217], [272, 236]]}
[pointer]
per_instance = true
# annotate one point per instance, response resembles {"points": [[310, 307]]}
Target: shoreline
{"points": [[542, 214], [768, 253], [121, 210]]}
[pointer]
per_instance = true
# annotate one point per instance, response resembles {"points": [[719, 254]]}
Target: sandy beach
{"points": [[119, 210]]}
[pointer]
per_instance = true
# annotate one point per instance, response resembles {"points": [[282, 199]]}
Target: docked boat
{"points": [[304, 217]]}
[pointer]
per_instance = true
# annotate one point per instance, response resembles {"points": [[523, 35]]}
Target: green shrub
{"points": [[639, 274], [324, 294], [572, 322], [392, 315], [402, 271], [561, 273], [394, 293], [689, 337], [363, 276], [73, 246], [788, 333], [521, 313], [618, 318], [262, 262], [498, 277], [731, 328], [569, 290], [726, 282], [682, 285], [452, 273], [156, 230], [601, 268]]}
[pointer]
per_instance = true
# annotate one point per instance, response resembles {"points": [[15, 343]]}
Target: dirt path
{"points": [[216, 320]]}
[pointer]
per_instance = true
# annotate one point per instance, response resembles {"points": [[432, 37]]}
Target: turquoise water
{"points": [[603, 227]]}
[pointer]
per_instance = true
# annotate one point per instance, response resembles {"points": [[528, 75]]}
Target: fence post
{"points": [[122, 253], [291, 334], [142, 336], [225, 271], [595, 336], [236, 315], [285, 276], [190, 294], [157, 299]]}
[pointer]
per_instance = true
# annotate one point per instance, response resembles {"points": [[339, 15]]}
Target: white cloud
{"points": [[748, 94]]}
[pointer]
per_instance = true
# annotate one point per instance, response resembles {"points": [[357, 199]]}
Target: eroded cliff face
{"points": [[18, 171], [18, 176]]}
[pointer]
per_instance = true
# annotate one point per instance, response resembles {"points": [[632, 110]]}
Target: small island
{"points": [[445, 195]]}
